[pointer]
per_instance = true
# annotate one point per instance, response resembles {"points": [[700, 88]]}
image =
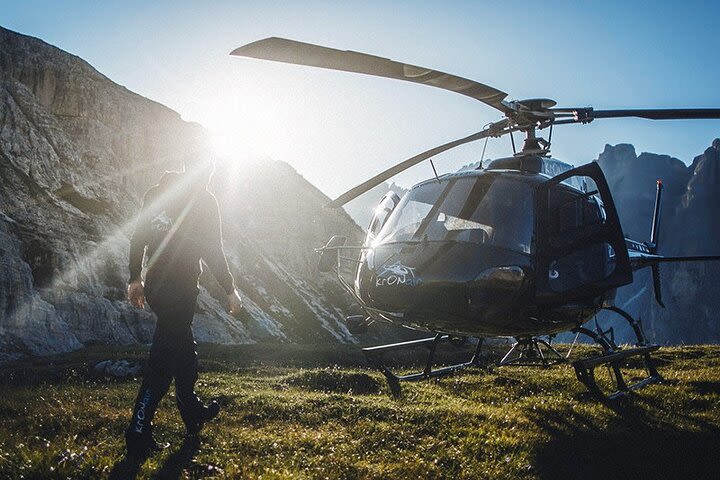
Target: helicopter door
{"points": [[382, 213], [581, 248]]}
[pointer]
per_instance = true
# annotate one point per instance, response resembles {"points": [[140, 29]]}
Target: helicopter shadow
{"points": [[639, 445]]}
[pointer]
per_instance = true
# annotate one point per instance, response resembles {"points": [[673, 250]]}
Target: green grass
{"points": [[281, 420]]}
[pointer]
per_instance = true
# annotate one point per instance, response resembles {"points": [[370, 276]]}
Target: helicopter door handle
{"points": [[553, 274]]}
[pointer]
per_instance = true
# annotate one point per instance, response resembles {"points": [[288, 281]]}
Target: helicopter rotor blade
{"points": [[495, 129], [300, 53], [588, 114]]}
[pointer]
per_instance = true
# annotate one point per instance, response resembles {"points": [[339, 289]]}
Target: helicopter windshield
{"points": [[485, 209]]}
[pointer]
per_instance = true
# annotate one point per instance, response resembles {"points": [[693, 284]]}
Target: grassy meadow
{"points": [[318, 412]]}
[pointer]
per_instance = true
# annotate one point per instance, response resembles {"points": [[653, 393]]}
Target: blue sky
{"points": [[338, 129]]}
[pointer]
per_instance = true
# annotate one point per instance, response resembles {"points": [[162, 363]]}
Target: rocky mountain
{"points": [[689, 225], [76, 153]]}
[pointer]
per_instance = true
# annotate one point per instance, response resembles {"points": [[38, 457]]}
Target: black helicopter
{"points": [[515, 249]]}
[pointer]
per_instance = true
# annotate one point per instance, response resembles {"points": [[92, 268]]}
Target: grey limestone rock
{"points": [[117, 368], [77, 151], [689, 225]]}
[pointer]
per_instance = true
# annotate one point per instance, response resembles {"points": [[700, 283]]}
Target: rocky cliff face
{"points": [[76, 153], [690, 225]]}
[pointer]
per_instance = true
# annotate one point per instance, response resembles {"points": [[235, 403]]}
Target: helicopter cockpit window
{"points": [[572, 211], [572, 215], [380, 216], [486, 210]]}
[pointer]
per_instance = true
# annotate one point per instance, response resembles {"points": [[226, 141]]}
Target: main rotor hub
{"points": [[535, 104], [534, 145], [527, 116]]}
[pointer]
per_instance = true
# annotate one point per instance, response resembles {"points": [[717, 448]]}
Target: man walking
{"points": [[179, 226]]}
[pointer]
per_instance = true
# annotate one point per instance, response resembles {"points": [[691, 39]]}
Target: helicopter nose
{"points": [[496, 286]]}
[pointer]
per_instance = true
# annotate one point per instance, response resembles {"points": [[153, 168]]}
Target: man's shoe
{"points": [[207, 413]]}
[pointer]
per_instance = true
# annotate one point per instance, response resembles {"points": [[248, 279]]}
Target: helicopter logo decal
{"points": [[397, 274]]}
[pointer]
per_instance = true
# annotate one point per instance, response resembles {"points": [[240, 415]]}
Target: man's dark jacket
{"points": [[180, 224]]}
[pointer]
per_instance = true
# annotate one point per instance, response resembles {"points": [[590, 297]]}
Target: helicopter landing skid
{"points": [[528, 352], [614, 358], [374, 354]]}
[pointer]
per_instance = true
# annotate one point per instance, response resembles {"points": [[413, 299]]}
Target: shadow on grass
{"points": [[639, 446], [705, 388], [128, 468], [176, 462]]}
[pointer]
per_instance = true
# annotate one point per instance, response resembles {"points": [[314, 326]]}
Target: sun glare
{"points": [[228, 144], [242, 128], [251, 118], [235, 138]]}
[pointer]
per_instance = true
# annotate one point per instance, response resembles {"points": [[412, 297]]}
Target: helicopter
{"points": [[516, 248]]}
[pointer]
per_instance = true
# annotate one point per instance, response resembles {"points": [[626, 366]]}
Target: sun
{"points": [[242, 127], [227, 143], [234, 137]]}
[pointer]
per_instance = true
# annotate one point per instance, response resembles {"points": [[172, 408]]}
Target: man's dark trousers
{"points": [[172, 356]]}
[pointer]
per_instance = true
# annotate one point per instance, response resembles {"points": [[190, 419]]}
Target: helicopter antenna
{"points": [[512, 141], [434, 171], [482, 156]]}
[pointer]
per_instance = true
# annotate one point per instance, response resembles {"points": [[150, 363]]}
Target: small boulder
{"points": [[117, 368]]}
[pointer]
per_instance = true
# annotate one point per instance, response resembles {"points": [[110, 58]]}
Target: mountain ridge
{"points": [[689, 225], [77, 153]]}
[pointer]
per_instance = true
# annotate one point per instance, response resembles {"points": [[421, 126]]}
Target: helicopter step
{"points": [[614, 358], [585, 371], [374, 356]]}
